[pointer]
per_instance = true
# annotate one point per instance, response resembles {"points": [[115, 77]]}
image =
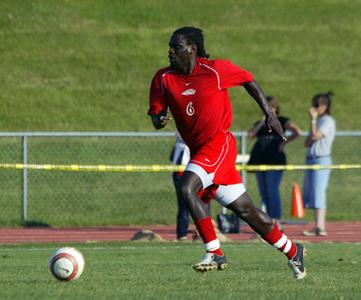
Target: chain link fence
{"points": [[65, 198]]}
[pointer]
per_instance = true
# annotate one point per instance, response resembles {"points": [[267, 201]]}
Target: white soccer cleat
{"points": [[210, 262], [296, 263]]}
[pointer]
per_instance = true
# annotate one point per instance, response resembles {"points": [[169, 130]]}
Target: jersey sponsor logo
{"points": [[189, 92], [190, 109]]}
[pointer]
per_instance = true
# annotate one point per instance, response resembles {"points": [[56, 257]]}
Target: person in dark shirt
{"points": [[269, 150]]}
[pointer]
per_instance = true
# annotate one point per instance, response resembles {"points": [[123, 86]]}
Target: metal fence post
{"points": [[244, 152], [24, 203]]}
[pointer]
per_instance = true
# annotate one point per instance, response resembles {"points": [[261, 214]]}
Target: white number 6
{"points": [[190, 109]]}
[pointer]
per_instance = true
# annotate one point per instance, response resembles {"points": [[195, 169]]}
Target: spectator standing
{"points": [[180, 156], [319, 143], [269, 150]]}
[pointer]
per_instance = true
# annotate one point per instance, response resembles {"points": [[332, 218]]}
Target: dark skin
{"points": [[182, 57]]}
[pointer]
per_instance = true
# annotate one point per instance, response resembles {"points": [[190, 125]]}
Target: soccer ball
{"points": [[66, 263]]}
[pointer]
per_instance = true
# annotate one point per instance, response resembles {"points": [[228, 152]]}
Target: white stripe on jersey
{"points": [[218, 79], [161, 83]]}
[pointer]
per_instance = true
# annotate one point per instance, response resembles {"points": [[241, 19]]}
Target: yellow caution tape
{"points": [[167, 168]]}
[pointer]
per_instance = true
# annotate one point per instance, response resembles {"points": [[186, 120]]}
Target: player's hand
{"points": [[160, 120], [273, 123], [165, 119]]}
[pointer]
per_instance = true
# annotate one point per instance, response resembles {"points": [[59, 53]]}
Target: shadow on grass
{"points": [[35, 223]]}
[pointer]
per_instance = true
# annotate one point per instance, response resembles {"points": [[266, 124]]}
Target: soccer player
{"points": [[195, 90]]}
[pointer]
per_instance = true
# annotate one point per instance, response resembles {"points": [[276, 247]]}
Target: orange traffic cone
{"points": [[297, 210]]}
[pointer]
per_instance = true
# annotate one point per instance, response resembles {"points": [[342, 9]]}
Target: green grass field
{"points": [[87, 64], [150, 270]]}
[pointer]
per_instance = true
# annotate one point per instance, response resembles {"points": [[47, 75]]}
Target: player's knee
{"points": [[244, 210], [187, 192]]}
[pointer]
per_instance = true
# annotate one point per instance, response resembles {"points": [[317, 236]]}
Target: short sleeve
{"points": [[327, 127], [231, 75], [157, 100]]}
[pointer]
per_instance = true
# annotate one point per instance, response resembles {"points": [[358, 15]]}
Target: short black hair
{"points": [[193, 36], [323, 98]]}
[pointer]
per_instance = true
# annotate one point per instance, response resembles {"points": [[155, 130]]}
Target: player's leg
{"points": [[189, 187], [201, 173], [192, 182], [244, 208], [235, 198]]}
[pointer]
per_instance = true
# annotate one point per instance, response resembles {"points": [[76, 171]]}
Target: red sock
{"points": [[206, 231], [280, 241]]}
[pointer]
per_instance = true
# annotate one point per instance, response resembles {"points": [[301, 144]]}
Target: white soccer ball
{"points": [[66, 263]]}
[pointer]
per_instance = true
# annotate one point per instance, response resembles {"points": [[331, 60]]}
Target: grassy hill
{"points": [[87, 65]]}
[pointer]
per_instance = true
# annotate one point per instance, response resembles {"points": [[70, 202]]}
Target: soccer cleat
{"points": [[296, 263], [210, 262]]}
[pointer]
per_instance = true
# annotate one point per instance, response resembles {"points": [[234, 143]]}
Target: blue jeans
{"points": [[183, 212], [315, 183], [268, 185]]}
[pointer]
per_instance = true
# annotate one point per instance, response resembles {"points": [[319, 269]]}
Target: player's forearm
{"points": [[255, 91], [271, 119]]}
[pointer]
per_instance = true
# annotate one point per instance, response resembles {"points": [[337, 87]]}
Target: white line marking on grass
{"points": [[117, 248]]}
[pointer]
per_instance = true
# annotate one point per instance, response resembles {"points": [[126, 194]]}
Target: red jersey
{"points": [[199, 102]]}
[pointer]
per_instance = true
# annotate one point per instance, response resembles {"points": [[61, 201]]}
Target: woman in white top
{"points": [[319, 142]]}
